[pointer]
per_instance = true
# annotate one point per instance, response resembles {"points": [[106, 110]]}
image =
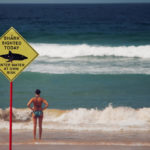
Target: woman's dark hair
{"points": [[37, 91]]}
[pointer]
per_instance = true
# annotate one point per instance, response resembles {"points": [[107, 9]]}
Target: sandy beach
{"points": [[71, 140]]}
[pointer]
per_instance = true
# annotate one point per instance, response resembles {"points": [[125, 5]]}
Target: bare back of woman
{"points": [[37, 112]]}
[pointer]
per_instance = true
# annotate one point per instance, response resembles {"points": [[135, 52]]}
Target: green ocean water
{"points": [[68, 91], [89, 55]]}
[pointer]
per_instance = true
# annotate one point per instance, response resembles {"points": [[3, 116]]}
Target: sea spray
{"points": [[70, 51], [108, 119], [19, 115], [90, 59]]}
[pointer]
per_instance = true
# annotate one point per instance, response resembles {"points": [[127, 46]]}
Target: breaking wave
{"points": [[70, 51], [90, 59], [108, 119]]}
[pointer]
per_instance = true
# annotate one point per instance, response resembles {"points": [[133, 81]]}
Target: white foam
{"points": [[69, 51], [90, 66], [80, 59], [109, 119]]}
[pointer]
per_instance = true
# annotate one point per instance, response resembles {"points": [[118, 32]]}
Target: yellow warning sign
{"points": [[15, 54]]}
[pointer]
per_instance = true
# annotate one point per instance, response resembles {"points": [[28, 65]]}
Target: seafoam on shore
{"points": [[108, 119]]}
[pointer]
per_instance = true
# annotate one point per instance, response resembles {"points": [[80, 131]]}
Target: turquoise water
{"points": [[87, 57], [75, 91]]}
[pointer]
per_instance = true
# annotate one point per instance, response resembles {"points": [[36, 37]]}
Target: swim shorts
{"points": [[38, 113]]}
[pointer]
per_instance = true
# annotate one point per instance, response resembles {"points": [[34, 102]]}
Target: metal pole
{"points": [[10, 116]]}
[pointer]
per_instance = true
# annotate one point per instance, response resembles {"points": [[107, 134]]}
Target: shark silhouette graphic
{"points": [[13, 56]]}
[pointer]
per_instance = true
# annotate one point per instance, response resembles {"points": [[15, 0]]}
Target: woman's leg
{"points": [[34, 126], [40, 126]]}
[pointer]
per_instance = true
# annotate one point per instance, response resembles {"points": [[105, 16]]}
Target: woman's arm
{"points": [[29, 103], [46, 104]]}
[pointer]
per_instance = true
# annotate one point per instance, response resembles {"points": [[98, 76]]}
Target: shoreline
{"points": [[55, 139], [74, 147]]}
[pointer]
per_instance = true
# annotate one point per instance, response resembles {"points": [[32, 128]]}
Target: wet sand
{"points": [[73, 147], [77, 140]]}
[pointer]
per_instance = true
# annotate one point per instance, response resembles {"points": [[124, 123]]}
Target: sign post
{"points": [[15, 55], [10, 116]]}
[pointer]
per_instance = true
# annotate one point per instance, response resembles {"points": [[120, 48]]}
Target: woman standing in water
{"points": [[37, 111]]}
